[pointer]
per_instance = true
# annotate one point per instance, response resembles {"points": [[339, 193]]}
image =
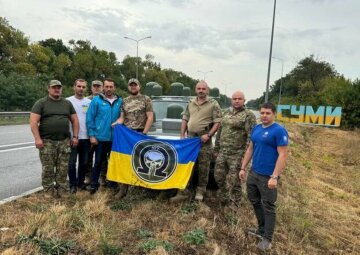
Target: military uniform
{"points": [[231, 142], [54, 131], [200, 118], [135, 109]]}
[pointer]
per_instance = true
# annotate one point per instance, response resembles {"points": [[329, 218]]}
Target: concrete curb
{"points": [[9, 199]]}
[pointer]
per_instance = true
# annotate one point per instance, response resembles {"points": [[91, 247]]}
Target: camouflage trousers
{"points": [[203, 162], [54, 159], [227, 177]]}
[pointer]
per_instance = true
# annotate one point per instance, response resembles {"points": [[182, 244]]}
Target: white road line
{"points": [[21, 195], [15, 149], [15, 144]]}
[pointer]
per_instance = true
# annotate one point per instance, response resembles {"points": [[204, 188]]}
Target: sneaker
{"points": [[254, 232], [92, 190], [73, 189], [264, 245]]}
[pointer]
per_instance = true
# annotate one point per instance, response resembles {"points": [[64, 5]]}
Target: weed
{"points": [[307, 164], [188, 208], [231, 219], [121, 205], [109, 249], [152, 244], [48, 246], [196, 236], [144, 233]]}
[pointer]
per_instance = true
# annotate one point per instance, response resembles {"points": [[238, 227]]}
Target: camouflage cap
{"points": [[133, 80], [97, 82], [55, 83]]}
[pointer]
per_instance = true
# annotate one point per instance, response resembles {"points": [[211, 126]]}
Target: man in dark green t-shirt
{"points": [[49, 122]]}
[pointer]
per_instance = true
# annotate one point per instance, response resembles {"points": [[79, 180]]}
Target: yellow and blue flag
{"points": [[141, 160]]}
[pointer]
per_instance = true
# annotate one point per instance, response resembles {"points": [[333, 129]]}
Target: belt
{"points": [[200, 133]]}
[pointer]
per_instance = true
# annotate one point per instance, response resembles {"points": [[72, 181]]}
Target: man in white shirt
{"points": [[81, 105]]}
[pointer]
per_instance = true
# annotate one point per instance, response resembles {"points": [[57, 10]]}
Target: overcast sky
{"points": [[229, 37]]}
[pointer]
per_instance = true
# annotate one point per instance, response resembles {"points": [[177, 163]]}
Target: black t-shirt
{"points": [[55, 116]]}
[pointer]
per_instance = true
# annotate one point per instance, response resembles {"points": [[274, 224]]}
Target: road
{"points": [[20, 168]]}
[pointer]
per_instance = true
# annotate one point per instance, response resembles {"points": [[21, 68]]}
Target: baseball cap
{"points": [[55, 83], [97, 82], [133, 80]]}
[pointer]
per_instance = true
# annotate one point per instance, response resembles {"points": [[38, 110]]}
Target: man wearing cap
{"points": [[49, 122], [103, 111], [81, 105], [96, 89], [137, 114]]}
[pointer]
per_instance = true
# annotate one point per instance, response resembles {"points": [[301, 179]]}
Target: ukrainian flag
{"points": [[141, 160]]}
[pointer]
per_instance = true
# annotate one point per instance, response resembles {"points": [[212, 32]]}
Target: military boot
{"points": [[181, 195], [199, 196], [122, 192]]}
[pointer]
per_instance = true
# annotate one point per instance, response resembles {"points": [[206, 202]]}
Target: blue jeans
{"points": [[83, 151], [263, 200], [102, 152]]}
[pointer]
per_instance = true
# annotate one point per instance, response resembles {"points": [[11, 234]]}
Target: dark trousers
{"points": [[82, 150], [263, 200], [102, 152]]}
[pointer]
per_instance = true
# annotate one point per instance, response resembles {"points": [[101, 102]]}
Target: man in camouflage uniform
{"points": [[201, 119], [231, 142], [136, 113], [49, 122]]}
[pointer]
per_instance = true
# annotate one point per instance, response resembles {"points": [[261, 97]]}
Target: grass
{"points": [[317, 212], [14, 120]]}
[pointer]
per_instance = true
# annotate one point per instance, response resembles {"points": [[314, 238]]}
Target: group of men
{"points": [[238, 141]]}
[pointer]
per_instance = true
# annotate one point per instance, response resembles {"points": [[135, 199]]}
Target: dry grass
{"points": [[318, 213]]}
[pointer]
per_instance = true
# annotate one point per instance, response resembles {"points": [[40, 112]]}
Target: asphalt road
{"points": [[20, 168]]}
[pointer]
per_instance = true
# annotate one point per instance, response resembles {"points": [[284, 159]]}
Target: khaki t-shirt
{"points": [[55, 116], [200, 117], [135, 109]]}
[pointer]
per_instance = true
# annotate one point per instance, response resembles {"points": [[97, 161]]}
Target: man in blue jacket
{"points": [[104, 109]]}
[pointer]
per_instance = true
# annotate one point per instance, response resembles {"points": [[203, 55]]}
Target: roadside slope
{"points": [[318, 212]]}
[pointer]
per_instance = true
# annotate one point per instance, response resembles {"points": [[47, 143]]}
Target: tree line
{"points": [[315, 82], [26, 68]]}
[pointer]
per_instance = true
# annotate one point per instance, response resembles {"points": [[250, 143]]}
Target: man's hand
{"points": [[272, 183], [115, 123], [93, 140], [242, 175], [205, 138], [182, 136], [74, 142], [39, 143]]}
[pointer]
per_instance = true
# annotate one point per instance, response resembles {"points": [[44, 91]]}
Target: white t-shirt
{"points": [[81, 106]]}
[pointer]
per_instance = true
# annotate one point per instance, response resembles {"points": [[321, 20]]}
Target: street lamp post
{"points": [[204, 73], [137, 51], [281, 79], [269, 66]]}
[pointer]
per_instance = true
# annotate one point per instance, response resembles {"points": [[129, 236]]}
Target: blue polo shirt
{"points": [[265, 142]]}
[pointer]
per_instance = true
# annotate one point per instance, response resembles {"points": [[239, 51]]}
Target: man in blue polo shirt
{"points": [[268, 150]]}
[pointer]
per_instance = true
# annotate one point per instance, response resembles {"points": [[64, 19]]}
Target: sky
{"points": [[231, 38]]}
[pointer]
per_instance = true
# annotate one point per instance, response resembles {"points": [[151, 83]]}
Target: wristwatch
{"points": [[209, 135], [274, 177], [74, 136]]}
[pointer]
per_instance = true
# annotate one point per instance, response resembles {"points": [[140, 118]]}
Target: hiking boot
{"points": [[255, 232], [264, 245], [181, 196], [122, 192]]}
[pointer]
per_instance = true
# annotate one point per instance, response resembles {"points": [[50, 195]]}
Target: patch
{"points": [[154, 161]]}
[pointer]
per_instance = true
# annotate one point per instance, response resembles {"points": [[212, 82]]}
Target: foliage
{"points": [[196, 236]]}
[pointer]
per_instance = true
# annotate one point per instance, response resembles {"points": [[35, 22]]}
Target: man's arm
{"points": [[279, 167], [120, 120], [183, 128], [217, 142], [75, 128], [149, 121], [34, 125], [206, 137], [246, 160]]}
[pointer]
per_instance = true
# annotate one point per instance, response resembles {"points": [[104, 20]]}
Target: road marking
{"points": [[3, 201], [14, 144], [15, 149]]}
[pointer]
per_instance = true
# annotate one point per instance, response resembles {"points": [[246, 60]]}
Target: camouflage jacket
{"points": [[234, 133]]}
